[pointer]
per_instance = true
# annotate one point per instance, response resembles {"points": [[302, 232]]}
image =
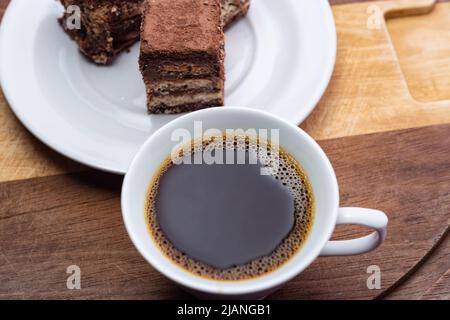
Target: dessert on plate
{"points": [[109, 27], [182, 55]]}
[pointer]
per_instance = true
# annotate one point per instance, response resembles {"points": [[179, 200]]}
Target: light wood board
{"points": [[368, 92]]}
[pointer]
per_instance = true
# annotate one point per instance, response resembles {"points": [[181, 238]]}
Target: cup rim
{"points": [[209, 286]]}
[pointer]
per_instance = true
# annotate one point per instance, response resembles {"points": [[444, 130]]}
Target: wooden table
{"points": [[384, 121]]}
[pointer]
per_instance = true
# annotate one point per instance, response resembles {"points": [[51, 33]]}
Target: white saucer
{"points": [[279, 59]]}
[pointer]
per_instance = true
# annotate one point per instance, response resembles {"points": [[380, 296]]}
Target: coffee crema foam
{"points": [[290, 174]]}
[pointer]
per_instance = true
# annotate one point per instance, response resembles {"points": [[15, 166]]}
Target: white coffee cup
{"points": [[324, 186]]}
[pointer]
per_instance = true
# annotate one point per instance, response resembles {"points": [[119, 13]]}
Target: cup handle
{"points": [[365, 217]]}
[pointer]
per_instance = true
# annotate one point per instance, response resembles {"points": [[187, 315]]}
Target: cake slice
{"points": [[109, 27], [232, 10], [182, 55]]}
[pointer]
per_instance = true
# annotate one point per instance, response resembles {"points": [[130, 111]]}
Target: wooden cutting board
{"points": [[368, 92], [50, 223], [388, 140]]}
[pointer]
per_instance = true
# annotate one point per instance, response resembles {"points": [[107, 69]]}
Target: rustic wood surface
{"points": [[390, 171], [439, 291], [426, 67], [406, 174], [368, 92], [55, 213], [426, 275]]}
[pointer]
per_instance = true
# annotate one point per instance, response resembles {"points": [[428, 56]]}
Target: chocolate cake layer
{"points": [[197, 105], [163, 69], [182, 55], [109, 27]]}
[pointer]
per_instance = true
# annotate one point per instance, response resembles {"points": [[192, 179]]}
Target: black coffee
{"points": [[228, 221]]}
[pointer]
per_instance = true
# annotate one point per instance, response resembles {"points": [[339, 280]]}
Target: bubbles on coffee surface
{"points": [[291, 176]]}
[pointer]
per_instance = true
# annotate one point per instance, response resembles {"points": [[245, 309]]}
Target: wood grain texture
{"points": [[392, 172], [405, 173], [440, 290], [23, 156], [426, 275], [368, 92], [424, 63]]}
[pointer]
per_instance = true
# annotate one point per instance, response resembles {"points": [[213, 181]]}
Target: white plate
{"points": [[279, 59]]}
